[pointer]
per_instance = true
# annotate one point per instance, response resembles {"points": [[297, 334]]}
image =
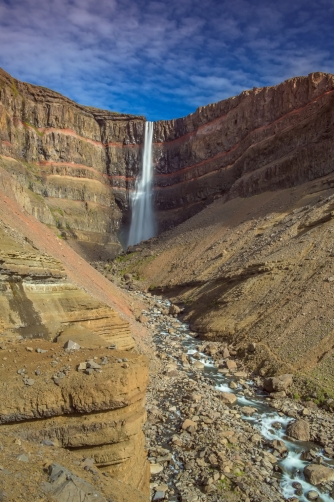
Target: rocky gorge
{"points": [[213, 339]]}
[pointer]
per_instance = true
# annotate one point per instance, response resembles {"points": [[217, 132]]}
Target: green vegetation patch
{"points": [[27, 124], [14, 89]]}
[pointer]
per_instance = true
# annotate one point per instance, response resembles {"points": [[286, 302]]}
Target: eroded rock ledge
{"points": [[97, 416], [52, 409]]}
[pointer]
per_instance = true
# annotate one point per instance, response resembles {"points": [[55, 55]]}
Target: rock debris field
{"points": [[213, 434]]}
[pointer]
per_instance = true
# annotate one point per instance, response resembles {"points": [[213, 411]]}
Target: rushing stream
{"points": [[266, 420]]}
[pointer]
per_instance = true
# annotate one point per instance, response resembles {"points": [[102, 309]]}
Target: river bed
{"points": [[270, 422]]}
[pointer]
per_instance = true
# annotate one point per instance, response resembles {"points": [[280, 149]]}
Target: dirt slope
{"points": [[257, 269]]}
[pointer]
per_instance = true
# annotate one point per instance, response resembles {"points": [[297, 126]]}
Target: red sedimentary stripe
{"points": [[227, 152], [71, 132], [82, 166]]}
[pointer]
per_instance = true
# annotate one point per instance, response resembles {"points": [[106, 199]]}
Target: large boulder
{"points": [[299, 429], [228, 397], [64, 486], [278, 383], [189, 425], [317, 473]]}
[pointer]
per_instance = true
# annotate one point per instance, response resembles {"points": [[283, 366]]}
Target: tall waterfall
{"points": [[142, 217]]}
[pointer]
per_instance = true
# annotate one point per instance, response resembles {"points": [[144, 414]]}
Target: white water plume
{"points": [[142, 217]]}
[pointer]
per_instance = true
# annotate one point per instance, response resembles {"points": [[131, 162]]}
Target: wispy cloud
{"points": [[163, 59]]}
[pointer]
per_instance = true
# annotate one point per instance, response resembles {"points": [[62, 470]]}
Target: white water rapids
{"points": [[142, 217], [292, 465]]}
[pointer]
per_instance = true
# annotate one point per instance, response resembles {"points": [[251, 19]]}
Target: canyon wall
{"points": [[263, 139], [70, 158], [80, 164]]}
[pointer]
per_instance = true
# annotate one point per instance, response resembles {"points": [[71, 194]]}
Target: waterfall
{"points": [[142, 215]]}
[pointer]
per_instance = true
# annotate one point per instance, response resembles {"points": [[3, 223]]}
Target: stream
{"points": [[270, 423]]}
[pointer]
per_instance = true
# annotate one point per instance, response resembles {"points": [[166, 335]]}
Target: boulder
{"points": [[64, 486], [70, 345], [299, 429], [228, 397], [312, 495], [174, 309], [198, 365], [189, 425], [277, 384], [317, 473], [143, 319], [156, 468], [278, 395], [231, 365], [279, 446], [248, 411]]}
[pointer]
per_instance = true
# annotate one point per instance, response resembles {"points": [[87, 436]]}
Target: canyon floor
{"points": [[206, 440]]}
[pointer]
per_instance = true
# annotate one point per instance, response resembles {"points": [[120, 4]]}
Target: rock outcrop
{"points": [[98, 415], [38, 301]]}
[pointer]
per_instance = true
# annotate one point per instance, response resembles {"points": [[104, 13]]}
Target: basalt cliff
{"points": [[79, 164]]}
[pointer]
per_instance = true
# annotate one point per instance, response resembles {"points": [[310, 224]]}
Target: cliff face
{"points": [[80, 164], [72, 158], [69, 414], [263, 139]]}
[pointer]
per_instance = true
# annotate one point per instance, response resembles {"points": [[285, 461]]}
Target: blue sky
{"points": [[163, 59]]}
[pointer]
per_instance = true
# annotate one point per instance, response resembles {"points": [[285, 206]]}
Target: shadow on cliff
{"points": [[32, 325]]}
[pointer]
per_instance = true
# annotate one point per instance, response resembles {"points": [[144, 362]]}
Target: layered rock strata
{"points": [[71, 156], [264, 139], [37, 300], [97, 416], [80, 164]]}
